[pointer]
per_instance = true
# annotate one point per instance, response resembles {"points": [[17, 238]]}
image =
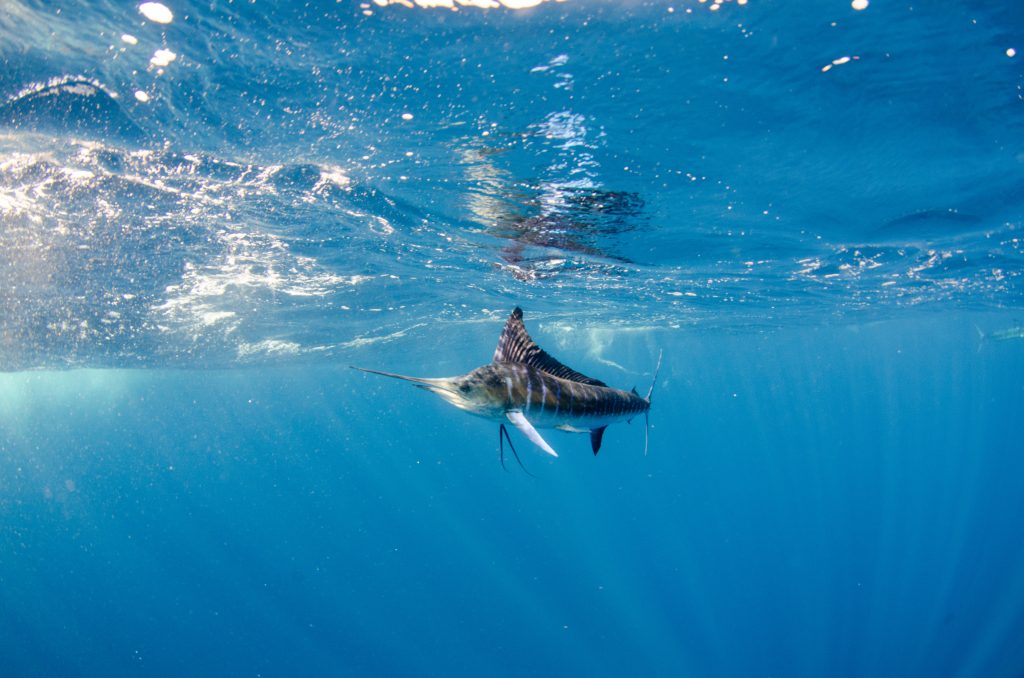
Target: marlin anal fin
{"points": [[516, 346], [595, 438], [517, 418]]}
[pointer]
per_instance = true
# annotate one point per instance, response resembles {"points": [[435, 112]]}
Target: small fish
{"points": [[1007, 334], [1010, 333], [529, 388]]}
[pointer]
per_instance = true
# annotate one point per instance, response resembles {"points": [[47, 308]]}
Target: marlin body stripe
{"points": [[527, 387], [552, 402]]}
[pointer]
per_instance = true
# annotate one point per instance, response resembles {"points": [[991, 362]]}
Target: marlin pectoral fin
{"points": [[529, 431], [595, 439]]}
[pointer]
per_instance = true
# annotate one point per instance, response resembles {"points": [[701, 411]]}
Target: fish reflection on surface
{"points": [[574, 228], [571, 218]]}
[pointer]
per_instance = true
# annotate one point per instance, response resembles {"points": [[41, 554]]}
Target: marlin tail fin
{"points": [[653, 381], [647, 422]]}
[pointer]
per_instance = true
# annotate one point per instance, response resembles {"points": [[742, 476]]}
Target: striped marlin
{"points": [[526, 386]]}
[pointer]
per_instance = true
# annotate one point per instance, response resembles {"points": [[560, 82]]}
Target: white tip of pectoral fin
{"points": [[529, 431]]}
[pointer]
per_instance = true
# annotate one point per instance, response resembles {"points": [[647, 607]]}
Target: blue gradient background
{"points": [[192, 481], [815, 502]]}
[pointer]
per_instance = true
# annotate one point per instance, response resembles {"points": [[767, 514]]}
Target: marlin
{"points": [[526, 386]]}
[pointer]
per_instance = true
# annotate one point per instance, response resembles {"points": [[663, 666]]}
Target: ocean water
{"points": [[210, 210]]}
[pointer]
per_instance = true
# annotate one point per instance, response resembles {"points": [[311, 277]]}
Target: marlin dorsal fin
{"points": [[516, 346]]}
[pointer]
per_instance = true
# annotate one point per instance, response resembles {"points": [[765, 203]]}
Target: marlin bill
{"points": [[526, 386]]}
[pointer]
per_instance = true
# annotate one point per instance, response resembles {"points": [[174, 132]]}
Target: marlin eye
{"points": [[464, 388]]}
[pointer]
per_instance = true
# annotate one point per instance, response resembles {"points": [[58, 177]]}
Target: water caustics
{"points": [[178, 194]]}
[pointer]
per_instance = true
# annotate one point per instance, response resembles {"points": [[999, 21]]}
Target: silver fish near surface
{"points": [[1008, 334], [526, 386]]}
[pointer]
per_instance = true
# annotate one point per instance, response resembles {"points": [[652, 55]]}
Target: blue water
{"points": [[816, 212]]}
